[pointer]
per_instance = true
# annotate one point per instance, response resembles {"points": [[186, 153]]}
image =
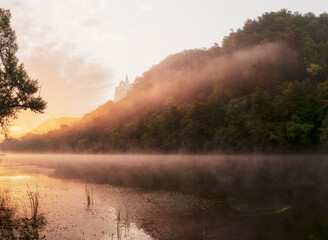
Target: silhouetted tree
{"points": [[17, 89]]}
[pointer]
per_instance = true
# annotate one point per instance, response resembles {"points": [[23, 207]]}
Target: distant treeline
{"points": [[265, 88]]}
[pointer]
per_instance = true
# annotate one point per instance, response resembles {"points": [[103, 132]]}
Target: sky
{"points": [[79, 50]]}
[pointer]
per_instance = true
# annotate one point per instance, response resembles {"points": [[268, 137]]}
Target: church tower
{"points": [[122, 90]]}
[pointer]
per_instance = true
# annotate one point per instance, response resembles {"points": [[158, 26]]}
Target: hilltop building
{"points": [[122, 90]]}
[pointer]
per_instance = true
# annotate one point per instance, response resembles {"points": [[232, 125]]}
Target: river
{"points": [[164, 196]]}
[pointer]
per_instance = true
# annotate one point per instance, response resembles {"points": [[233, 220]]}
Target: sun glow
{"points": [[18, 177]]}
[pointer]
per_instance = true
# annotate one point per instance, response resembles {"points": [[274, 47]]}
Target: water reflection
{"points": [[73, 210], [246, 197], [15, 177]]}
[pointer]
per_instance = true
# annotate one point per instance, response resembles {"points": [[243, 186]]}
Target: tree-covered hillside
{"points": [[265, 88]]}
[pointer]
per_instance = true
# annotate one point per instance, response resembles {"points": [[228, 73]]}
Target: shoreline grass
{"points": [[14, 227]]}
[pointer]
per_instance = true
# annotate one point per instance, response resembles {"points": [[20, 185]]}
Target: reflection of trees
{"points": [[248, 193], [214, 223]]}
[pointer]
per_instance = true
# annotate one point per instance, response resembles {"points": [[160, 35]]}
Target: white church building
{"points": [[122, 90]]}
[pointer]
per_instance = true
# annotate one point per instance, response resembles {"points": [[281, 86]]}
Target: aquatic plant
{"points": [[122, 224], [34, 201], [89, 195], [118, 224], [13, 227]]}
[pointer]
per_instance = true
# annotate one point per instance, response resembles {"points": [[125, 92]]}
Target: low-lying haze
{"points": [[72, 45]]}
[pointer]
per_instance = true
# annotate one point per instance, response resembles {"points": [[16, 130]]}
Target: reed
{"points": [[89, 195], [122, 224], [34, 201], [118, 224], [14, 227]]}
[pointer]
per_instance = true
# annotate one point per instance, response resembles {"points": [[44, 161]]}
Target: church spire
{"points": [[122, 89], [126, 79]]}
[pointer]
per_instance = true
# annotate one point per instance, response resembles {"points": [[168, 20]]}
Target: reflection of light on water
{"points": [[14, 177]]}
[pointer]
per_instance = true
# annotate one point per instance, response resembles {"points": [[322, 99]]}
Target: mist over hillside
{"points": [[264, 89]]}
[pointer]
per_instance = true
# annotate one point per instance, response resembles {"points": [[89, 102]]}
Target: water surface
{"points": [[172, 196]]}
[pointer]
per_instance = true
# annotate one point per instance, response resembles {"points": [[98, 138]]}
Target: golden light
{"points": [[18, 177]]}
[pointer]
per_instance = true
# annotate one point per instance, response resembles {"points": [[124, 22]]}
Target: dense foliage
{"points": [[17, 89], [228, 98]]}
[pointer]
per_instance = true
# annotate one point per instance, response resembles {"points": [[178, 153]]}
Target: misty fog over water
{"points": [[174, 196]]}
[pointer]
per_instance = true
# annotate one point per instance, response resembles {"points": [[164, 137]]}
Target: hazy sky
{"points": [[80, 49]]}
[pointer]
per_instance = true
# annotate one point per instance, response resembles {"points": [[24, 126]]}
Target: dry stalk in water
{"points": [[34, 201]]}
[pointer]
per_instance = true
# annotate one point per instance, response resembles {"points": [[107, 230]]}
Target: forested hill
{"points": [[265, 88]]}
